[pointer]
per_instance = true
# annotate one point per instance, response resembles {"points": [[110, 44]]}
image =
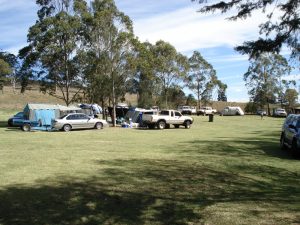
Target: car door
{"points": [[291, 131], [84, 121], [178, 119], [71, 119], [171, 119], [89, 122]]}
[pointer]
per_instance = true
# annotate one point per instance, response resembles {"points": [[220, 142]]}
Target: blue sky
{"points": [[176, 22]]}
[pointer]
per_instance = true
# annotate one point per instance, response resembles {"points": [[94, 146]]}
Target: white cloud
{"points": [[188, 30], [228, 58]]}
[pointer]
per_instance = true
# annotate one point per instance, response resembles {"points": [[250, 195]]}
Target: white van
{"points": [[232, 111]]}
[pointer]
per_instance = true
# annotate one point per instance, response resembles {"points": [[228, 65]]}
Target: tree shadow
{"points": [[263, 144], [144, 191], [3, 124]]}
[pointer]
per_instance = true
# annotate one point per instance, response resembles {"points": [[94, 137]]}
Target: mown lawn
{"points": [[230, 172]]}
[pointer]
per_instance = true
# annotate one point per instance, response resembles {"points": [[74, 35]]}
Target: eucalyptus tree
{"points": [[222, 92], [291, 97], [264, 78], [14, 64], [171, 67], [283, 31], [176, 96], [201, 78], [5, 70], [53, 46], [147, 85], [107, 36]]}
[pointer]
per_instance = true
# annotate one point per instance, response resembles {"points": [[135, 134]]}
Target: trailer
{"points": [[40, 116], [232, 111]]}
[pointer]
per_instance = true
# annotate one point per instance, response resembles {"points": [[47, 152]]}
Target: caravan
{"points": [[232, 111]]}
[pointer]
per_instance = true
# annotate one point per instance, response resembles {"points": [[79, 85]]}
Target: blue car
{"points": [[16, 120]]}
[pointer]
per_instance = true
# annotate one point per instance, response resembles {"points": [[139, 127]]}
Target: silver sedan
{"points": [[77, 121]]}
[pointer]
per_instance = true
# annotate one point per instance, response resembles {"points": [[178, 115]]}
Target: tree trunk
{"points": [[114, 104]]}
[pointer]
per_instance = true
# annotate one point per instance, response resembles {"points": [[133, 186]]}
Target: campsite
{"points": [[149, 112], [212, 173]]}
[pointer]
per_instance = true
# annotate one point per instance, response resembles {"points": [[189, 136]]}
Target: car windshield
{"points": [[62, 116], [19, 114]]}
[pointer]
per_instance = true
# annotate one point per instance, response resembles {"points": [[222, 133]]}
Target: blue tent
{"points": [[41, 115]]}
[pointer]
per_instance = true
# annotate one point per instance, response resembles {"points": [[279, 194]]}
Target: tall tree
{"points": [[176, 96], [171, 66], [147, 84], [107, 39], [264, 76], [277, 33], [14, 64], [201, 78], [53, 45], [222, 92], [190, 100], [290, 97], [5, 70]]}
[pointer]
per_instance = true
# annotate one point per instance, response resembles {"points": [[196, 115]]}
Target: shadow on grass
{"points": [[146, 191], [257, 145], [3, 124]]}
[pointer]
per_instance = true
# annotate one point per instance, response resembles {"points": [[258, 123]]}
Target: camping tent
{"points": [[121, 110], [134, 114], [44, 113]]}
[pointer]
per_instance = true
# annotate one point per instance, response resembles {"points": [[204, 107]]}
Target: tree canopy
{"points": [[264, 78], [276, 33], [202, 79], [171, 67]]}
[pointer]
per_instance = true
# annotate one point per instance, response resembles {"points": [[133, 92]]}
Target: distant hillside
{"points": [[17, 101], [11, 100]]}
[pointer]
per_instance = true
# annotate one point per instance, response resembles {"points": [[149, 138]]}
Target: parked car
{"points": [[77, 121], [290, 134], [194, 110], [206, 110], [279, 112], [185, 110], [16, 120], [261, 112], [165, 118]]}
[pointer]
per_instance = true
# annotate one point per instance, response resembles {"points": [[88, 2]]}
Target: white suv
{"points": [[279, 112]]}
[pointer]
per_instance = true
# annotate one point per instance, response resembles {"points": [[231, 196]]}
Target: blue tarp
{"points": [[44, 116]]}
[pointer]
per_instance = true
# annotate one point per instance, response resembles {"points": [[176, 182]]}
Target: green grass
{"points": [[230, 172]]}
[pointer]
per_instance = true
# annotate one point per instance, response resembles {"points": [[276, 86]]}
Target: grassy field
{"points": [[230, 172]]}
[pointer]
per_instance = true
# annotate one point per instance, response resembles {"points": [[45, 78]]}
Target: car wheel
{"points": [[161, 125], [67, 128], [187, 124], [282, 144], [98, 126], [26, 127]]}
